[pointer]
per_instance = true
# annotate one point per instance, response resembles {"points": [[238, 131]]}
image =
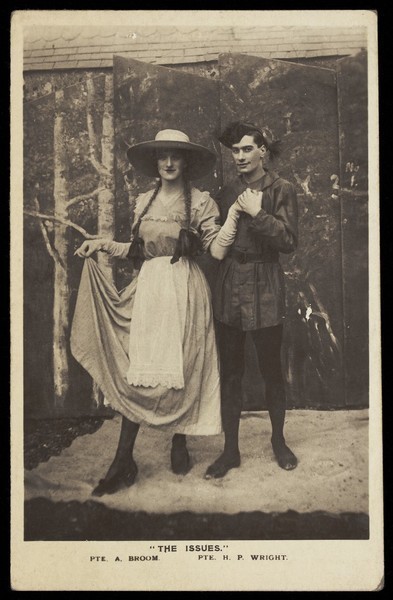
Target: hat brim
{"points": [[143, 157]]}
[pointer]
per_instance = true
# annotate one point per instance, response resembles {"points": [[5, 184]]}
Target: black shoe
{"points": [[180, 459], [284, 456], [123, 478], [222, 465]]}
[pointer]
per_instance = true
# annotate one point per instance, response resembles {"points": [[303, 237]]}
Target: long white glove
{"points": [[221, 244], [114, 249]]}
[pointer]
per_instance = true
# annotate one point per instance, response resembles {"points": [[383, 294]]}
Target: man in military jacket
{"points": [[250, 294]]}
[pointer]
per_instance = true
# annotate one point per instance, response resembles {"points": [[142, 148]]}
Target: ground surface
{"points": [[44, 438], [49, 517]]}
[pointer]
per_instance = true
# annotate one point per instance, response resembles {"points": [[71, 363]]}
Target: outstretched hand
{"points": [[88, 248], [250, 201]]}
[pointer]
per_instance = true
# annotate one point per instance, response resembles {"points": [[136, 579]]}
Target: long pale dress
{"points": [[151, 347]]}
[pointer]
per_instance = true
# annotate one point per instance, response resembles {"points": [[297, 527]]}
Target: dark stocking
{"points": [[231, 344], [268, 345], [180, 459], [275, 397], [123, 469]]}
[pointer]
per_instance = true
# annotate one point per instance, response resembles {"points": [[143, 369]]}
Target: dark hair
{"points": [[136, 251], [188, 244], [236, 130]]}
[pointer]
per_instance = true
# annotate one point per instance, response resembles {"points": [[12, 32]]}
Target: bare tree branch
{"points": [[51, 250], [40, 215], [96, 163], [83, 197]]}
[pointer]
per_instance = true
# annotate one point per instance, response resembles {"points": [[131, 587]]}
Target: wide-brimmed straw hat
{"points": [[200, 160]]}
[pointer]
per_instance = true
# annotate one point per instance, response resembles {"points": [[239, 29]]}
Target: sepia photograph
{"points": [[195, 301]]}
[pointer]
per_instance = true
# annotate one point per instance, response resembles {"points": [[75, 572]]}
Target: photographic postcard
{"points": [[87, 86]]}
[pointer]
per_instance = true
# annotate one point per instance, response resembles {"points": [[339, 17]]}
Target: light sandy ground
{"points": [[332, 475]]}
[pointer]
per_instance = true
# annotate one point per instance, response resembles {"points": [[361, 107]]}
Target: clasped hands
{"points": [[250, 202]]}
